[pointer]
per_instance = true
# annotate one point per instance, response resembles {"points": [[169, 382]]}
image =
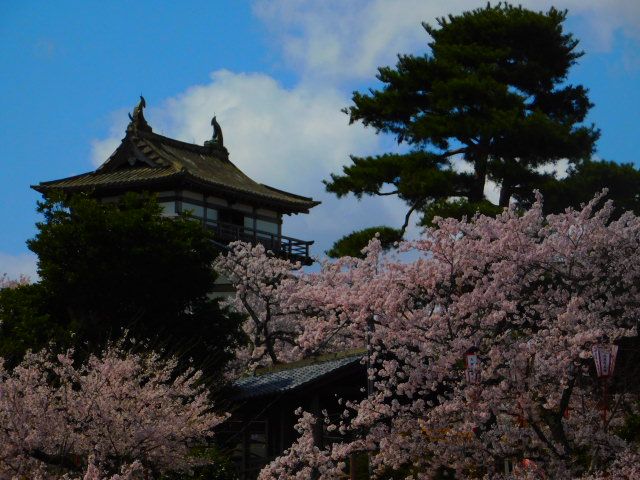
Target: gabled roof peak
{"points": [[146, 160], [138, 126]]}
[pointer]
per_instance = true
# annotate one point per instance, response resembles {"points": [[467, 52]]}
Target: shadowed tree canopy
{"points": [[353, 244], [491, 95], [26, 323], [584, 180], [109, 267]]}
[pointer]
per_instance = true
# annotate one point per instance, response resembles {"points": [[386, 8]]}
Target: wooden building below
{"points": [[262, 425]]}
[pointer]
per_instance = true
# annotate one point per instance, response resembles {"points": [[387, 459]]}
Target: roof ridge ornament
{"points": [[216, 139], [138, 123]]}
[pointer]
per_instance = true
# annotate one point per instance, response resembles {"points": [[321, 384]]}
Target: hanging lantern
{"points": [[604, 357], [472, 361], [472, 372], [472, 376]]}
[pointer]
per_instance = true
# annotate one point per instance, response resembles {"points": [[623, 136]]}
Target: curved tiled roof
{"points": [[292, 378], [145, 158], [122, 177]]}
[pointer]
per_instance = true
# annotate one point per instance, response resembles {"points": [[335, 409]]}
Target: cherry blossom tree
{"points": [[262, 283], [265, 289], [121, 416], [8, 282], [528, 296]]}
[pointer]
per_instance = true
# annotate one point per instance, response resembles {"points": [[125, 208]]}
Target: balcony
{"points": [[286, 247]]}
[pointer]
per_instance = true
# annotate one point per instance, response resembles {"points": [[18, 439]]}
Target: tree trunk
{"points": [[480, 175], [505, 193]]}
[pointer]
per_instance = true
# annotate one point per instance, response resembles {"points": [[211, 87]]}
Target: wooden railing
{"points": [[288, 247]]}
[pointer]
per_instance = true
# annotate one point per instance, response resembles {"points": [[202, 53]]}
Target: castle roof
{"points": [[148, 161]]}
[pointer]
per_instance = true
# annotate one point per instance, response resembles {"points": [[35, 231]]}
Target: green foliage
{"points": [[220, 467], [586, 179], [416, 172], [630, 431], [25, 323], [351, 245], [457, 208], [485, 94], [110, 267]]}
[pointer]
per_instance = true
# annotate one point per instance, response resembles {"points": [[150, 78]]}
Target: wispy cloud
{"points": [[45, 48], [101, 149], [16, 265], [334, 40], [293, 138]]}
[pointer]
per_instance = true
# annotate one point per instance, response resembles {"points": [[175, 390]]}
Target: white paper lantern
{"points": [[604, 357]]}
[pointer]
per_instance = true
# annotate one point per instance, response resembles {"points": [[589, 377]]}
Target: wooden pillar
{"points": [[255, 225]]}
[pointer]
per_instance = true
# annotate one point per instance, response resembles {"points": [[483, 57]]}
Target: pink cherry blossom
{"points": [[266, 291], [529, 294], [120, 416], [8, 282]]}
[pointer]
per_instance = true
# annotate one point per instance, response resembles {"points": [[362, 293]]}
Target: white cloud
{"points": [[16, 265], [337, 40], [289, 138], [559, 169], [102, 149], [604, 18], [278, 135], [293, 138]]}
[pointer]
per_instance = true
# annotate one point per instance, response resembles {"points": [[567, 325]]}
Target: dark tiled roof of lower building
{"points": [[291, 378]]}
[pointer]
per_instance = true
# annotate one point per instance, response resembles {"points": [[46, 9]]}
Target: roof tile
{"points": [[207, 166], [290, 379]]}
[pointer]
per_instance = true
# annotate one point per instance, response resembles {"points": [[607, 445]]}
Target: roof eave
{"points": [[283, 205], [53, 185], [247, 394]]}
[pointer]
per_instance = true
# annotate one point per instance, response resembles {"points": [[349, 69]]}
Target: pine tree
{"points": [[491, 93]]}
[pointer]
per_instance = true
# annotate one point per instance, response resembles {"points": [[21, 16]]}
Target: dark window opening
{"points": [[231, 216]]}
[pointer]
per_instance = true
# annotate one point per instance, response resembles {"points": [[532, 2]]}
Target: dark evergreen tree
{"points": [[26, 322], [352, 245], [491, 92], [109, 267], [586, 179]]}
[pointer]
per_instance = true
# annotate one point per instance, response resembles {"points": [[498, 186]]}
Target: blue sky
{"points": [[275, 72]]}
